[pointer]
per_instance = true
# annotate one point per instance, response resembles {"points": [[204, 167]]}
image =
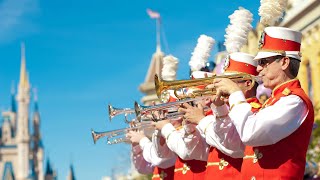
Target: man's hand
{"points": [[224, 87], [159, 125], [218, 101], [192, 114], [135, 136]]}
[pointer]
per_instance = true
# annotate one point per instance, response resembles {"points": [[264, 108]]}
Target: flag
{"points": [[153, 14]]}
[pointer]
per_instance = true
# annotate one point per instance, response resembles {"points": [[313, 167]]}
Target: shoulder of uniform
{"points": [[286, 91], [255, 105]]}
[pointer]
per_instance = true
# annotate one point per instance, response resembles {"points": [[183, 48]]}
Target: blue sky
{"points": [[82, 55]]}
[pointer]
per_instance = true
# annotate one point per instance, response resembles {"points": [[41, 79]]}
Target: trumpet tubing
{"points": [[118, 135], [111, 141], [171, 109], [141, 110], [162, 85]]}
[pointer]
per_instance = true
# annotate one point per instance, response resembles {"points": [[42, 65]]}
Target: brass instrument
{"points": [[118, 136], [116, 111], [141, 110], [161, 85]]}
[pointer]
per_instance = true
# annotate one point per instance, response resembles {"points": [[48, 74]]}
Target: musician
{"points": [[156, 151], [188, 144], [225, 162], [279, 133], [140, 164], [163, 167]]}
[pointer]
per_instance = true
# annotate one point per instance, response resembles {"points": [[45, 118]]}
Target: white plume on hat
{"points": [[238, 29], [169, 69], [271, 11], [201, 52]]}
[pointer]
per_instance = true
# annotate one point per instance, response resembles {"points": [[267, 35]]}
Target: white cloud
{"points": [[15, 18]]}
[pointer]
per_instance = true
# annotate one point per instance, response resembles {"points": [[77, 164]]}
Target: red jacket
{"points": [[189, 169], [285, 159], [163, 174], [221, 166]]}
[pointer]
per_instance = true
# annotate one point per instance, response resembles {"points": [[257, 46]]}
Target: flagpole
{"points": [[158, 34]]}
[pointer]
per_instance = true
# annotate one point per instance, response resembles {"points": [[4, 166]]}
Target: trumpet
{"points": [[116, 111], [141, 110], [171, 108], [161, 85], [118, 136]]}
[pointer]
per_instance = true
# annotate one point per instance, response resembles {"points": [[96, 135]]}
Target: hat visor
{"points": [[293, 54], [261, 55]]}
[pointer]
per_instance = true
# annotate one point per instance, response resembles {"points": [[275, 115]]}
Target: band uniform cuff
{"points": [[205, 122], [167, 130], [236, 98], [143, 142]]}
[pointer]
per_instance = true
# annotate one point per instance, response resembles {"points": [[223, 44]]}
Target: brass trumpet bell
{"points": [[116, 111]]}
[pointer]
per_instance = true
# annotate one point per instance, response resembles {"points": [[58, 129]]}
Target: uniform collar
{"points": [[280, 88]]}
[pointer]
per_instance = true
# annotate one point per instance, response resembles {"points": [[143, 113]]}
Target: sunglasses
{"points": [[269, 60]]}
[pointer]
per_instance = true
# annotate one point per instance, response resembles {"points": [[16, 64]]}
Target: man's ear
{"points": [[248, 83], [285, 61]]}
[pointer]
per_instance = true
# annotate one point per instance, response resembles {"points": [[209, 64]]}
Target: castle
{"points": [[21, 148]]}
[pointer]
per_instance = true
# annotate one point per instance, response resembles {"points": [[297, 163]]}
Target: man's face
{"points": [[270, 69]]}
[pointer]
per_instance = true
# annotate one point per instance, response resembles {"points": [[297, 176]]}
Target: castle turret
{"points": [[40, 158], [50, 173], [36, 137], [71, 175], [36, 119], [23, 135]]}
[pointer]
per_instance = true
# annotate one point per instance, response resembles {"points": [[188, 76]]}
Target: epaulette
{"points": [[178, 128], [255, 105], [286, 91]]}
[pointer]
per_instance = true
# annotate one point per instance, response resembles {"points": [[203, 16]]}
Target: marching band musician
{"points": [[225, 162], [186, 141], [156, 151], [140, 164], [163, 167], [188, 144], [279, 132]]}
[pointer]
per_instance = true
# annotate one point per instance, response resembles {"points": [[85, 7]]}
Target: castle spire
{"points": [[155, 67], [49, 170], [23, 132], [158, 50], [13, 100], [71, 175], [24, 79]]}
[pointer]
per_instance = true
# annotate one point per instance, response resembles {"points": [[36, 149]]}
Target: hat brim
{"points": [[263, 54]]}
